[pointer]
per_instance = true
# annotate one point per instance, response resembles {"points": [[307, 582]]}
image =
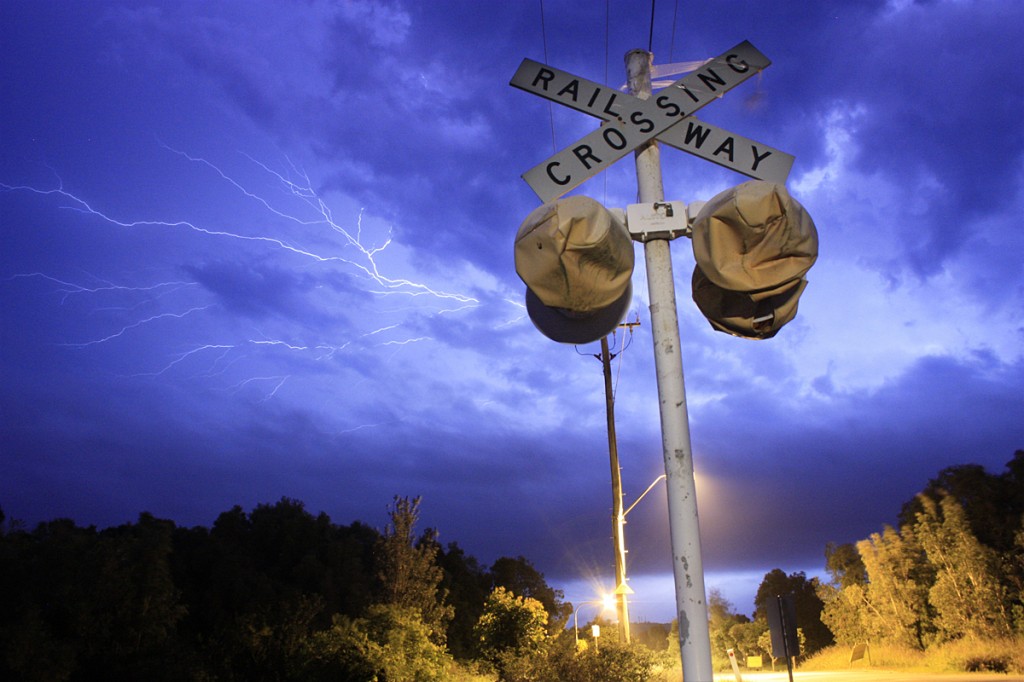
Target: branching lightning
{"points": [[361, 262], [71, 288], [134, 325], [305, 193]]}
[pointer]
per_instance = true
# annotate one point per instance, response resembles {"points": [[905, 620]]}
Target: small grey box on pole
{"points": [[687, 564]]}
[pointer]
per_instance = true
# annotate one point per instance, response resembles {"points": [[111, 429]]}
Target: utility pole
{"points": [[618, 515], [687, 562]]}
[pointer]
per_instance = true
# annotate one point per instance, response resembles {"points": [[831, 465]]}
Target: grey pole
{"points": [[687, 564]]}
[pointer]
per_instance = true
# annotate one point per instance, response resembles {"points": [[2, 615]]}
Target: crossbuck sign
{"points": [[630, 121]]}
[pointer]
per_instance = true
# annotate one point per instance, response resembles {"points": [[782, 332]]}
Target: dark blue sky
{"points": [[264, 249]]}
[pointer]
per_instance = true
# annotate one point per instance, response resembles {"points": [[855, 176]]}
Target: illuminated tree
{"points": [[390, 643], [966, 595], [845, 597], [520, 577], [511, 625], [720, 625], [409, 575], [844, 565], [747, 638], [844, 612], [897, 593]]}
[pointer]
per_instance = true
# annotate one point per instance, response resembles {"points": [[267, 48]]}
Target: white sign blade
{"points": [[735, 152], [691, 135], [629, 129]]}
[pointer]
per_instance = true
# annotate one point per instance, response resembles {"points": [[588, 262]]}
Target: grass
{"points": [[999, 655]]}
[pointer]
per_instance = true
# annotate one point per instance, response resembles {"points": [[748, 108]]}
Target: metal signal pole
{"points": [[687, 564]]}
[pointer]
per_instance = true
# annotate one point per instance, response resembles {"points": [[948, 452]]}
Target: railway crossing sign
{"points": [[630, 121]]}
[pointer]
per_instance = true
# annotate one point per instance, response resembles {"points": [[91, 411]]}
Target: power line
{"points": [[607, 25], [551, 112], [650, 37], [672, 41]]}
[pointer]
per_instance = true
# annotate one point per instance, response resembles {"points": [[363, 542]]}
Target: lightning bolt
{"points": [[71, 288], [134, 325], [358, 254]]}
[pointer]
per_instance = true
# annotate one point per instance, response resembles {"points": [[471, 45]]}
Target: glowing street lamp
{"points": [[606, 603], [622, 589]]}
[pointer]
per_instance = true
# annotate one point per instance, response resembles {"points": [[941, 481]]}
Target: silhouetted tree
{"points": [[468, 585], [808, 605], [90, 604], [409, 575], [521, 578]]}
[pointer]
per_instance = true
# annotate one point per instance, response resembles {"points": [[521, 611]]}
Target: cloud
{"points": [[340, 321]]}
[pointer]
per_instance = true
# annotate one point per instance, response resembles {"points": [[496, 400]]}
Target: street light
{"points": [[653, 483], [607, 602], [622, 589]]}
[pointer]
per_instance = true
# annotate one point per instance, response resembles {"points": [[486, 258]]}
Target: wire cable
{"points": [[650, 37], [607, 56], [672, 41], [551, 106]]}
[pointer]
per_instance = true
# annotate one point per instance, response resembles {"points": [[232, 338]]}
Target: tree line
{"points": [[274, 594], [951, 569], [279, 593]]}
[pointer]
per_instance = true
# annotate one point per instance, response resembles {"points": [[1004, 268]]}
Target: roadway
{"points": [[868, 675]]}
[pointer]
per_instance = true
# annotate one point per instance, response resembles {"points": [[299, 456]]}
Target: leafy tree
{"points": [[520, 577], [257, 584], [140, 602], [966, 595], [511, 625], [993, 506], [403, 646], [390, 643], [844, 597], [979, 494], [274, 640], [844, 612], [955, 567], [559, 659], [808, 604], [612, 662], [844, 565], [341, 652], [747, 638], [409, 575], [467, 584], [720, 624], [45, 600], [86, 604], [897, 592], [764, 643]]}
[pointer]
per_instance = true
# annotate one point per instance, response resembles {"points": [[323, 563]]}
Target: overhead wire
{"points": [[650, 37], [625, 342], [607, 56], [672, 38], [551, 106]]}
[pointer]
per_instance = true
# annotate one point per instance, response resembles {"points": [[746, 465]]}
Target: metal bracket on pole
{"points": [[659, 219]]}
